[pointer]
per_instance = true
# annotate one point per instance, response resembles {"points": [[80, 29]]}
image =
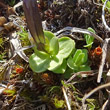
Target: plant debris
{"points": [[77, 80]]}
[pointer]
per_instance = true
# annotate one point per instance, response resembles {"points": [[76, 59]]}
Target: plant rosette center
{"points": [[79, 61], [54, 58]]}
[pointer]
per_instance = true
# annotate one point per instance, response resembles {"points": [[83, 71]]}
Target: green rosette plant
{"points": [[51, 53], [79, 61], [55, 54]]}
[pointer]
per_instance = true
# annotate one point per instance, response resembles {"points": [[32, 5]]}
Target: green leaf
{"points": [[70, 62], [78, 51], [108, 4], [49, 35], [39, 64], [56, 62], [62, 68], [89, 45], [84, 68], [54, 46], [79, 59], [41, 54], [85, 55], [91, 30], [58, 103], [66, 46], [89, 39], [47, 47]]}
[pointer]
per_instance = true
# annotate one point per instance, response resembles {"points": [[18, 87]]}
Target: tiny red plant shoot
{"points": [[95, 56], [98, 50], [19, 70]]}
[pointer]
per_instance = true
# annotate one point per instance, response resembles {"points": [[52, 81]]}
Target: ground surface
{"points": [[22, 89]]}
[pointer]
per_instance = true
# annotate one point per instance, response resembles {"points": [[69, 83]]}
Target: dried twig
{"points": [[66, 98], [18, 5], [103, 17], [98, 4], [78, 73], [92, 92], [104, 54], [79, 30], [16, 45], [106, 105]]}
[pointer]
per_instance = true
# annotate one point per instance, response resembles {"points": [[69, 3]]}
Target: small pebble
{"points": [[2, 20]]}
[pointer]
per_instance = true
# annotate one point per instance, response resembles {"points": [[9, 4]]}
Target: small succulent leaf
{"points": [[76, 55], [89, 45], [91, 30], [55, 62], [61, 69], [89, 39], [70, 62], [54, 46], [79, 60], [47, 47], [66, 46], [41, 54], [85, 55], [84, 68], [49, 35], [38, 64]]}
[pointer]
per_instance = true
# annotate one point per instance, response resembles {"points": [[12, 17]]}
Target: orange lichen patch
{"points": [[98, 50], [19, 70]]}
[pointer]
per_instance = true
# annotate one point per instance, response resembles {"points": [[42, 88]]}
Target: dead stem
{"points": [[104, 54], [98, 4], [66, 98], [79, 30], [16, 45], [17, 5], [104, 105], [78, 73], [92, 92], [103, 17]]}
